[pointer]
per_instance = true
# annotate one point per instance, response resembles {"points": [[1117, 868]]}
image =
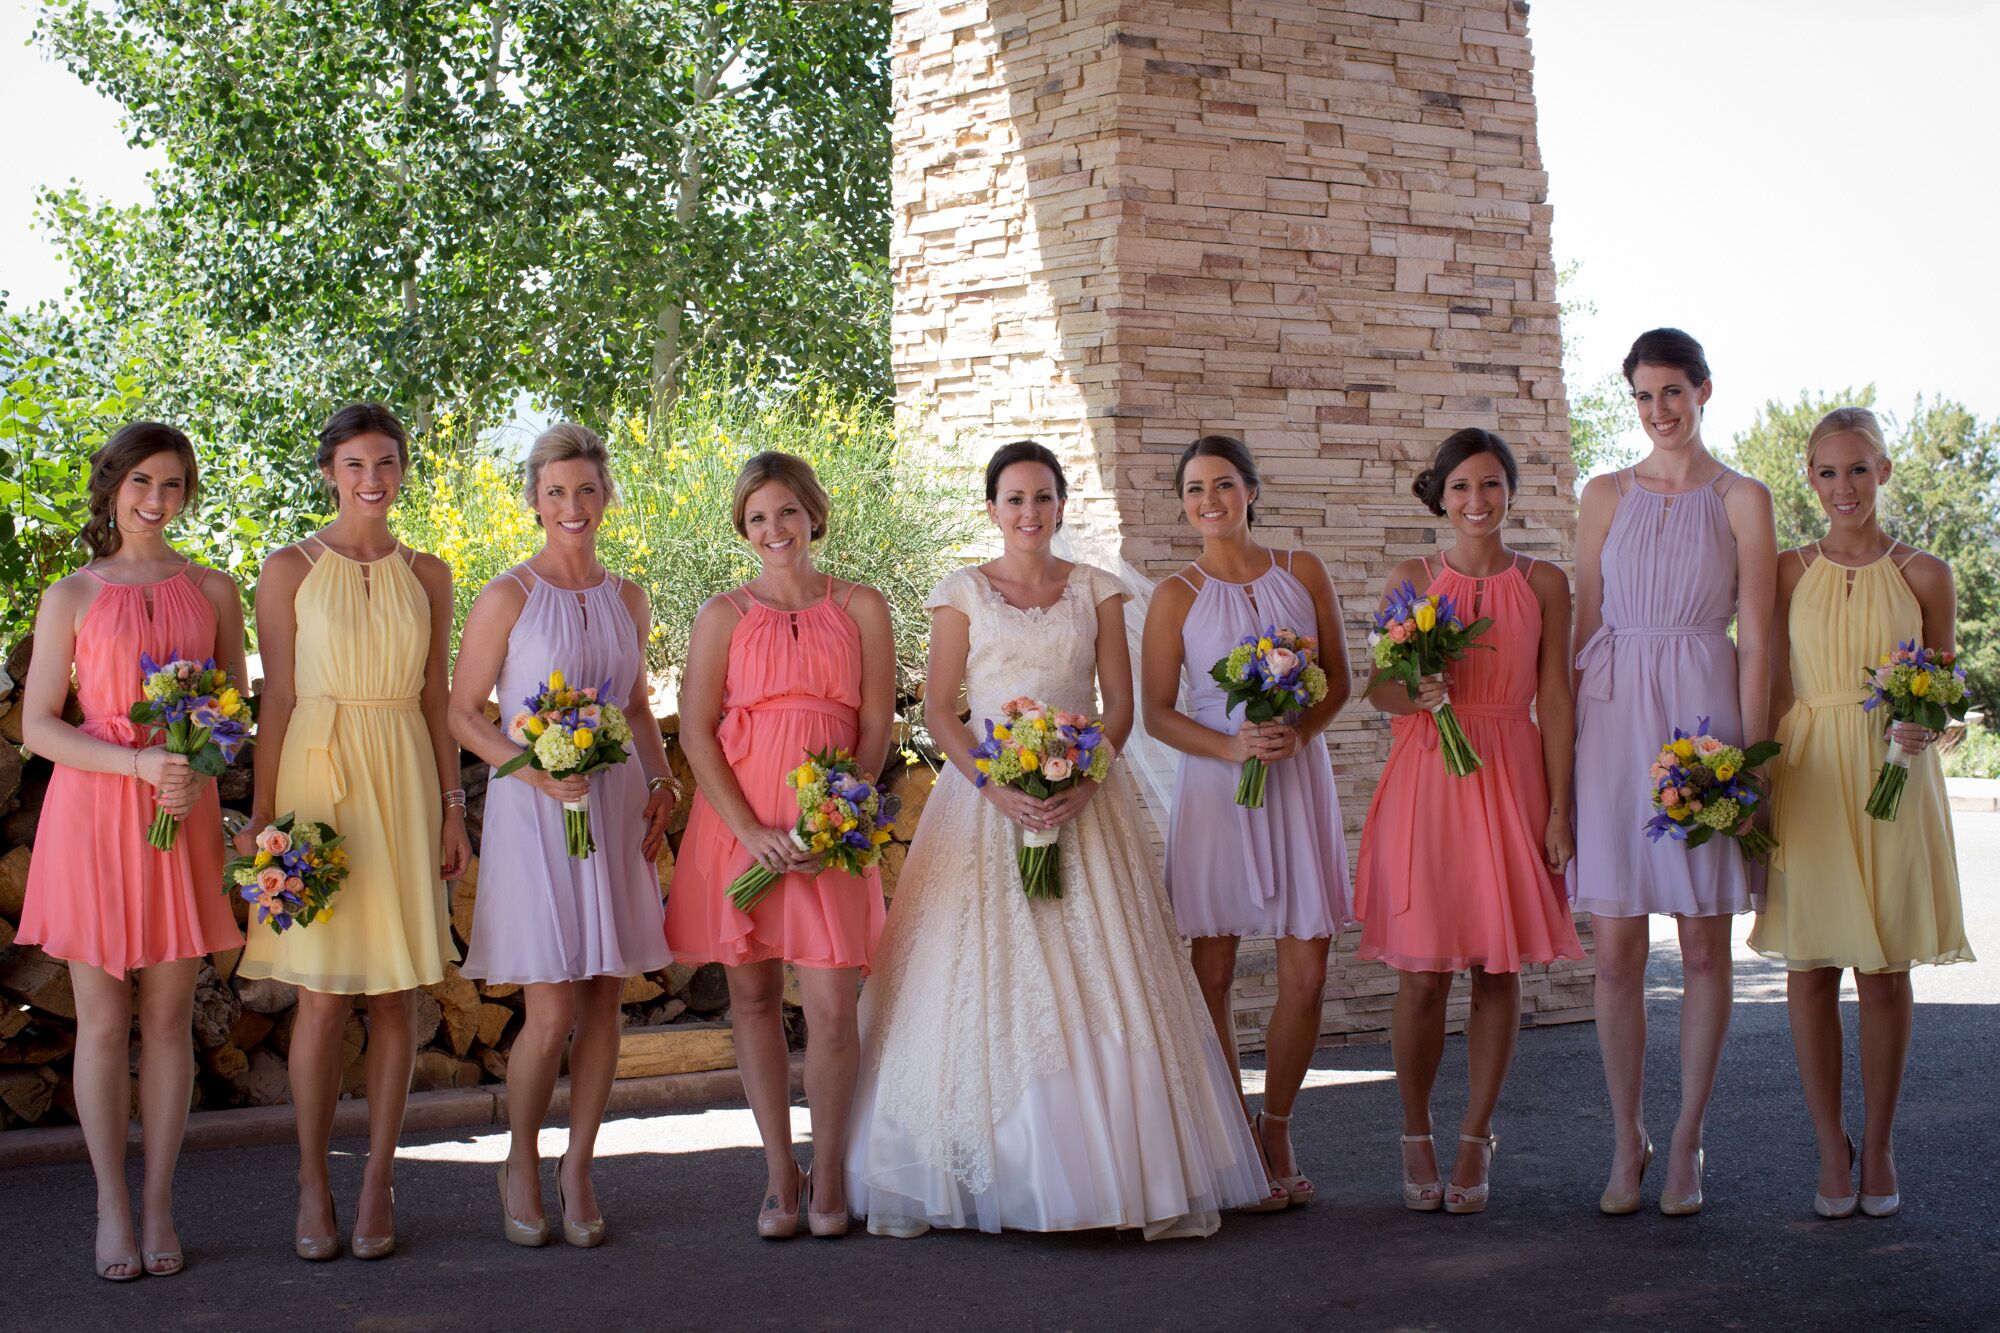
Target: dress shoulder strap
{"points": [[1427, 568], [1904, 562], [524, 587], [1619, 478], [409, 555], [1800, 552], [1192, 585], [736, 606], [1283, 560], [99, 577], [848, 596], [1722, 483], [312, 556], [1525, 569]]}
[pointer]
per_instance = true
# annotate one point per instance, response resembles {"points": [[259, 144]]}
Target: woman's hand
{"points": [[246, 837], [1281, 740], [1018, 806], [773, 849], [1914, 738], [1067, 804], [1558, 842], [455, 853], [1432, 693], [572, 788], [175, 784], [660, 803]]}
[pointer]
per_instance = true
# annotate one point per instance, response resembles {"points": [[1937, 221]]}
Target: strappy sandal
{"points": [[1298, 1190], [1278, 1199], [1472, 1198], [1425, 1196]]}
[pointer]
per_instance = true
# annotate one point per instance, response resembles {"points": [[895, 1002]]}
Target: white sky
{"points": [[1808, 186]]}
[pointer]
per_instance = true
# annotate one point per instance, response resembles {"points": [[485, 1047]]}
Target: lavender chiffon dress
{"points": [[541, 914], [1662, 659], [1280, 870]]}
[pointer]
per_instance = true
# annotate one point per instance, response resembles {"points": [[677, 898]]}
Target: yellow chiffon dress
{"points": [[1846, 889], [358, 757]]}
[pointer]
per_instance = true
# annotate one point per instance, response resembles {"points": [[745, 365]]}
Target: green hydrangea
{"points": [[557, 751], [1314, 679], [1006, 769], [1100, 763], [1240, 658], [1728, 757], [246, 875], [1721, 815], [1385, 651], [611, 724]]}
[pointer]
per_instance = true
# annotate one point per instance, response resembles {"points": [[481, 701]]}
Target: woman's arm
{"points": [[43, 729], [1931, 580], [1555, 710], [1750, 518], [1162, 655], [870, 612], [1593, 524], [1791, 565], [647, 746], [455, 850], [227, 599], [951, 646], [1311, 571], [277, 634]]}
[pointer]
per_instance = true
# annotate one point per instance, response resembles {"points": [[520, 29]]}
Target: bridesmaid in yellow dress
{"points": [[355, 631], [1849, 890]]}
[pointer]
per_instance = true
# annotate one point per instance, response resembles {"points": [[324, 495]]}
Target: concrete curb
{"points": [[1979, 795], [454, 1108]]}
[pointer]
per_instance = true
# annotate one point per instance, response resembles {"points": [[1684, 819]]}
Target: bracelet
{"points": [[455, 798], [654, 784], [135, 765]]}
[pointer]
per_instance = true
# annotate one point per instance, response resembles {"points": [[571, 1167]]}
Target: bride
{"points": [[1044, 1065]]}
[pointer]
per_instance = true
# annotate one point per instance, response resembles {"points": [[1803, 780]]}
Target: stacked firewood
{"points": [[676, 1018]]}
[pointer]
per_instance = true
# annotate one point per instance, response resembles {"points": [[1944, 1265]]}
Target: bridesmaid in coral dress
{"points": [[98, 893], [566, 929], [1848, 890], [1668, 553], [792, 662], [355, 632], [1278, 871], [1462, 873]]}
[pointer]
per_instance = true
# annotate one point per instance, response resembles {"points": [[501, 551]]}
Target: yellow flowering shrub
{"points": [[895, 522]]}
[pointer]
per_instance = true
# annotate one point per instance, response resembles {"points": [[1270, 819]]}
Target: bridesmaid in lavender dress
{"points": [[1668, 552], [1280, 870], [566, 930]]}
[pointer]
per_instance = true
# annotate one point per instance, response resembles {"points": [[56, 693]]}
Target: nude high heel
{"points": [[1426, 1197], [1463, 1199], [318, 1249], [1277, 1198], [822, 1224], [1835, 1209], [377, 1247], [777, 1222], [1686, 1205], [583, 1235], [1626, 1203], [530, 1235], [1298, 1190]]}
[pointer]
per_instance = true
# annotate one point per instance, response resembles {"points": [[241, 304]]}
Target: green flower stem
{"points": [[1250, 783], [1460, 760], [1041, 872], [576, 830], [748, 889], [1887, 797]]}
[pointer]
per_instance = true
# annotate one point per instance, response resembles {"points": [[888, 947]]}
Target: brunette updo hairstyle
{"points": [[1452, 451], [351, 422], [795, 475], [1232, 451], [1668, 347], [1023, 451], [128, 447]]}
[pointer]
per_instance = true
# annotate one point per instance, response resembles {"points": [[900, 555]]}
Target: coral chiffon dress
{"points": [[1451, 870], [98, 892], [793, 687]]}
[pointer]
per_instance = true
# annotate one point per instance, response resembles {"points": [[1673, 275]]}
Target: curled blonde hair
{"points": [[559, 444], [1847, 421], [790, 471]]}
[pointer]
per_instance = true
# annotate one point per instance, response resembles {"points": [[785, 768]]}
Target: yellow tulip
{"points": [[555, 680], [1885, 660], [1030, 762], [1678, 814], [536, 726], [228, 700], [263, 859], [1683, 748], [1726, 772], [879, 836], [325, 914], [1264, 645], [582, 738], [1920, 685], [1426, 616], [1002, 733], [983, 765]]}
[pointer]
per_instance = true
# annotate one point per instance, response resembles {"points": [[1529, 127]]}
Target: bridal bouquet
{"points": [[569, 731], [1920, 685], [1702, 787], [1269, 675], [292, 876], [843, 820], [1416, 637], [1042, 751], [202, 716]]}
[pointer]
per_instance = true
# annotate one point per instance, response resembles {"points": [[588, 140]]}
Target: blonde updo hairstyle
{"points": [[561, 443], [789, 471], [1847, 421]]}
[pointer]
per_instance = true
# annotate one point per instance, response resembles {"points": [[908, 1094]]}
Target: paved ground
{"points": [[680, 1191]]}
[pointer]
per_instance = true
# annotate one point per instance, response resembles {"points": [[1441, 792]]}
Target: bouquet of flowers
{"points": [[1702, 787], [843, 820], [1416, 637], [1269, 675], [569, 731], [202, 715], [1041, 750], [292, 876], [1920, 685]]}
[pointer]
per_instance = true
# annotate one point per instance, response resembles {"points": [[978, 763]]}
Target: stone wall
{"points": [[1323, 227]]}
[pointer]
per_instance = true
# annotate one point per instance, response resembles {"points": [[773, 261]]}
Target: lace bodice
{"points": [[1049, 654]]}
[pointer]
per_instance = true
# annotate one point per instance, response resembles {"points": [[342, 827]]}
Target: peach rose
{"points": [[275, 841], [1056, 768]]}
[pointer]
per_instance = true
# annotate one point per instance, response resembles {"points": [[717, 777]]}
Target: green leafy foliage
{"points": [[1943, 496], [1600, 404]]}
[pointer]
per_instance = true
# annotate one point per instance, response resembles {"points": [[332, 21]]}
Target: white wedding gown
{"points": [[1042, 1065]]}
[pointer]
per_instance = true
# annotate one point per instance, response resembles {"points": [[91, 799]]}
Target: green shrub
{"points": [[1975, 755], [897, 523]]}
